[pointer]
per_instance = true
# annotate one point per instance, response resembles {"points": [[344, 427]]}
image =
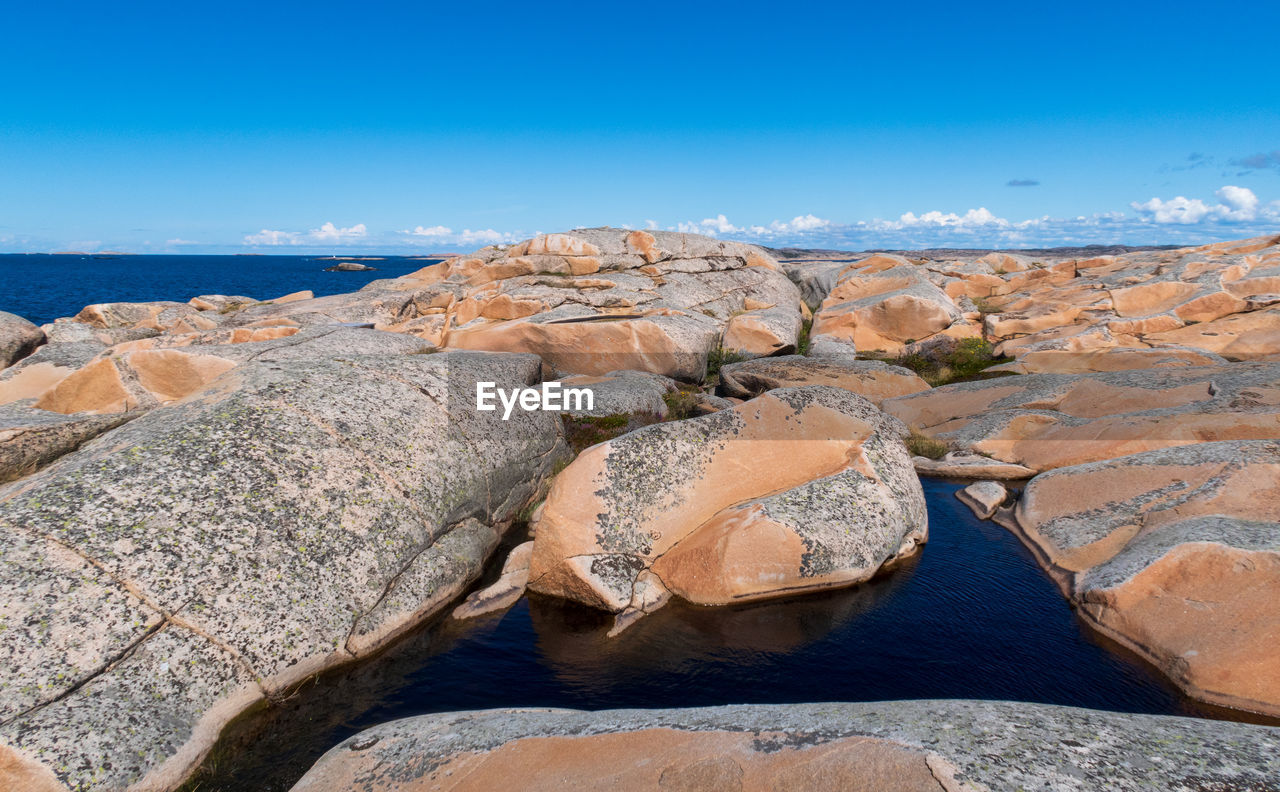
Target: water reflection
{"points": [[680, 637], [972, 616]]}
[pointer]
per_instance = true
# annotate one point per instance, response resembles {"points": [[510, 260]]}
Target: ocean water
{"points": [[972, 616], [43, 287]]}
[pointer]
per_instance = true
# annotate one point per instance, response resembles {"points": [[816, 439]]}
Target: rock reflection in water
{"points": [[680, 638], [971, 616]]}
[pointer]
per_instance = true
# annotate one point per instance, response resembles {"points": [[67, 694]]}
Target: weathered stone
{"points": [[140, 375], [759, 333], [900, 746], [884, 303], [622, 393], [18, 338], [962, 464], [1176, 554], [1053, 361], [799, 489], [293, 516], [872, 379], [1044, 421], [983, 497], [220, 302], [504, 591], [30, 377], [31, 438]]}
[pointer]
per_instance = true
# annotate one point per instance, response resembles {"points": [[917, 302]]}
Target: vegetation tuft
{"points": [[680, 404], [802, 344], [584, 432], [721, 357], [919, 445], [968, 360]]}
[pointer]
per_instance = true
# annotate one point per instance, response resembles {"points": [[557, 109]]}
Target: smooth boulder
{"points": [[293, 516], [18, 338], [798, 489], [871, 379]]}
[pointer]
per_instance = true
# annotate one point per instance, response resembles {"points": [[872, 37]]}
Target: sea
{"points": [[43, 287]]}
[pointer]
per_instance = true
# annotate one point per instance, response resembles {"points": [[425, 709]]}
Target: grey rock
{"points": [[623, 393], [18, 338], [983, 497], [981, 745], [295, 515], [31, 438], [701, 501], [871, 379]]}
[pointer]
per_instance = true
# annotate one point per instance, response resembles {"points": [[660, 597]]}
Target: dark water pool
{"points": [[43, 287], [971, 617]]}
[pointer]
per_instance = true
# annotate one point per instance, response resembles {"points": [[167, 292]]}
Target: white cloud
{"points": [[1238, 205], [486, 236], [328, 233], [974, 218], [710, 226], [433, 231], [1180, 210], [802, 223]]}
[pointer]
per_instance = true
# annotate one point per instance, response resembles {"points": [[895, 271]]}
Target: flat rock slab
{"points": [[622, 393], [871, 379], [915, 746], [970, 466], [294, 516], [983, 497], [1176, 554], [1045, 421], [31, 438]]}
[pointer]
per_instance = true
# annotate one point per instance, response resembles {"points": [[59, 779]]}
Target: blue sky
{"points": [[415, 127]]}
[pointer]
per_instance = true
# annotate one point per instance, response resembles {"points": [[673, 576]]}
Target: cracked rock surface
{"points": [[293, 516]]}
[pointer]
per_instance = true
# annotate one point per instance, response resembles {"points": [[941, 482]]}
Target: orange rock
{"points": [[1174, 554], [663, 345], [1044, 421], [611, 514], [1240, 336]]}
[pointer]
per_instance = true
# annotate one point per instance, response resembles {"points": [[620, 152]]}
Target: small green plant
{"points": [[967, 360], [680, 404], [720, 357], [526, 514], [984, 306], [582, 432], [803, 343], [920, 445]]}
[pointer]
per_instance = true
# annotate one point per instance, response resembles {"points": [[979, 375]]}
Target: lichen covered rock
{"points": [[900, 746], [798, 489], [293, 516]]}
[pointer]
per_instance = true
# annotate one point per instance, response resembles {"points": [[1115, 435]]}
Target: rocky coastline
{"points": [[203, 504]]}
